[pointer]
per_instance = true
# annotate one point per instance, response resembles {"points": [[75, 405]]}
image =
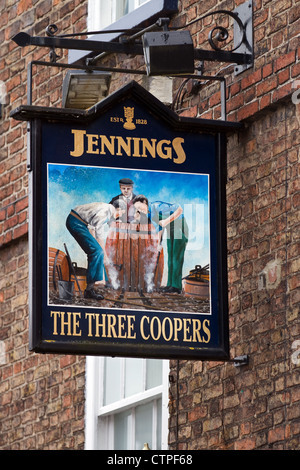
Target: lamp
{"points": [[168, 52], [82, 89]]}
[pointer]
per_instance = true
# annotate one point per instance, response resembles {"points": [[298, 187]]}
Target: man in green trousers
{"points": [[169, 218]]}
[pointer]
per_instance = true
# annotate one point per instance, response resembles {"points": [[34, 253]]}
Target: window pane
{"points": [[121, 8], [133, 376], [143, 426], [154, 373], [122, 430], [112, 380]]}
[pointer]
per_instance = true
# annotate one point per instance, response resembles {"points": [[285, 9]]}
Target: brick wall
{"points": [[212, 405], [255, 406], [41, 396], [219, 406], [276, 48]]}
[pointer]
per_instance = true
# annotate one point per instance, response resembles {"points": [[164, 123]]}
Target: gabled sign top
{"points": [[130, 91]]}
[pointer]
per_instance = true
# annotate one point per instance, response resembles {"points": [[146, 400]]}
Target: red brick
{"points": [[21, 204], [245, 444], [248, 110], [282, 92], [267, 85], [277, 434], [251, 79], [23, 6], [267, 70], [197, 413], [284, 61], [283, 76]]}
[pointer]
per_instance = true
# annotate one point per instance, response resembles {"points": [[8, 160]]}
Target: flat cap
{"points": [[126, 181]]}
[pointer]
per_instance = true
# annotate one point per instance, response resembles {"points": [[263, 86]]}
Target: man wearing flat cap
{"points": [[126, 188]]}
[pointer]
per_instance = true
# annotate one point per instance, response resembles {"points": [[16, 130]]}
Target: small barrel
{"points": [[80, 278], [194, 288], [58, 263]]}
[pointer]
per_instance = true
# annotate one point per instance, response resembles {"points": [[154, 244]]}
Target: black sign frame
{"points": [[216, 130]]}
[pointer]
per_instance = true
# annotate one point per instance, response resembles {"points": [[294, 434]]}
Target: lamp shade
{"points": [[82, 89], [168, 52]]}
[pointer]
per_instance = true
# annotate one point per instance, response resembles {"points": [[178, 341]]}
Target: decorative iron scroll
{"points": [[221, 36], [223, 32]]}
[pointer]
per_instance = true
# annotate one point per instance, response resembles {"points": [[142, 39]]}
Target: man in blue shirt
{"points": [[169, 218], [86, 224]]}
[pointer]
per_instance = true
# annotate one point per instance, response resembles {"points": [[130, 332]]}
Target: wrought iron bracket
{"points": [[245, 13], [241, 361], [241, 54]]}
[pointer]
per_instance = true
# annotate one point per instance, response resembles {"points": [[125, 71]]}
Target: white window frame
{"points": [[103, 13], [149, 11], [99, 428]]}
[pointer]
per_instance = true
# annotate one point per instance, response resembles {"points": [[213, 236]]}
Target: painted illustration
{"points": [[128, 239]]}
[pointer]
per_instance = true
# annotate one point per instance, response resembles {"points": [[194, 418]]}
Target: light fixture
{"points": [[168, 52], [83, 89]]}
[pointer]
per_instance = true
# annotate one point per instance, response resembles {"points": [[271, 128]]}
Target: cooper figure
{"points": [[82, 222]]}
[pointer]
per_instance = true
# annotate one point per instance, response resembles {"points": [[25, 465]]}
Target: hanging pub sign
{"points": [[128, 234]]}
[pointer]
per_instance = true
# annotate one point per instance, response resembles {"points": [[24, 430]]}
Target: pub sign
{"points": [[127, 230]]}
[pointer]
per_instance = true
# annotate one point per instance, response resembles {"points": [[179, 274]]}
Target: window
{"points": [[122, 14], [102, 13], [126, 403]]}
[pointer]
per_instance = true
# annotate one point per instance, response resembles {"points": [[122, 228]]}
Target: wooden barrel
{"points": [[81, 278], [57, 258], [134, 260], [194, 288]]}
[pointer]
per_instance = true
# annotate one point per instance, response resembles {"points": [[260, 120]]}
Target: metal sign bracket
{"points": [[245, 13]]}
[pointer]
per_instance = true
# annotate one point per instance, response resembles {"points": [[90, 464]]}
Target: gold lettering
{"points": [[121, 326], [158, 328], [111, 323], [177, 327], [76, 324], [78, 143], [186, 322], [110, 145], [136, 147], [196, 330], [142, 328], [150, 147], [160, 150], [174, 329], [55, 314], [89, 316], [100, 325], [125, 146], [70, 322], [167, 319], [206, 330], [130, 146], [131, 319], [64, 323], [177, 146], [92, 141]]}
